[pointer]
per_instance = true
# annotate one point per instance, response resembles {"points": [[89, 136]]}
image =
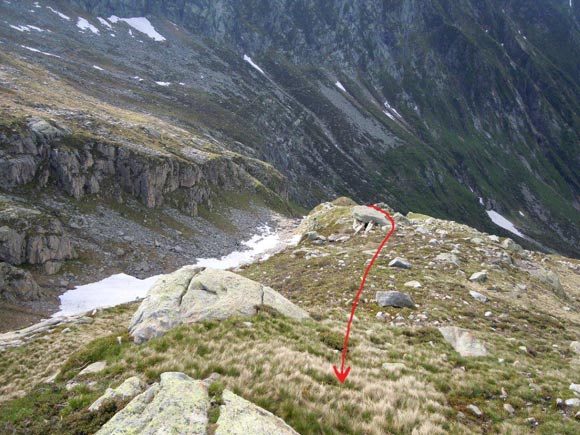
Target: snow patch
{"points": [[340, 86], [105, 23], [501, 221], [60, 14], [98, 68], [122, 288], [522, 213], [140, 24], [481, 201], [251, 62], [27, 28], [163, 83], [83, 24], [34, 50]]}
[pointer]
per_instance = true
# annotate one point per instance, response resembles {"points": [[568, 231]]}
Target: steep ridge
{"points": [[429, 105], [490, 342]]}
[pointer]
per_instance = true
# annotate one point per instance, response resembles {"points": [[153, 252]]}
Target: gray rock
{"points": [[475, 410], [127, 390], [175, 405], [509, 409], [463, 341], [572, 403], [93, 368], [478, 296], [17, 285], [575, 347], [575, 388], [338, 238], [479, 276], [400, 263], [193, 294], [447, 258], [413, 284], [240, 417], [550, 278], [394, 299], [509, 245], [366, 214]]}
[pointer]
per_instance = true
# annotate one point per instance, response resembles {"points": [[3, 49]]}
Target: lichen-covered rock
{"points": [[175, 405], [367, 214], [463, 341], [128, 389], [193, 294], [240, 417]]}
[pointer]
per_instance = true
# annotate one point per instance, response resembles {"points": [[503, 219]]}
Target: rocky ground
{"points": [[457, 332]]}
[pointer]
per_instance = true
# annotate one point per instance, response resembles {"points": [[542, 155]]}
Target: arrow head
{"points": [[340, 374]]}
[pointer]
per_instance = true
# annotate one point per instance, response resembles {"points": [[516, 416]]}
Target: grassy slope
{"points": [[285, 366]]}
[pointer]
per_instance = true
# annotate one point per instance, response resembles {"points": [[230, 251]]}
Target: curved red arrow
{"points": [[342, 374]]}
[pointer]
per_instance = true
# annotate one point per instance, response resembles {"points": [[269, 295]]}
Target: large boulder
{"points": [[463, 341], [180, 405], [394, 299], [367, 214], [193, 294]]}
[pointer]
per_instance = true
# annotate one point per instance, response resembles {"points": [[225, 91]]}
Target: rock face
{"points": [[366, 214], [17, 285], [180, 405], [193, 294], [463, 341], [240, 417], [394, 299]]}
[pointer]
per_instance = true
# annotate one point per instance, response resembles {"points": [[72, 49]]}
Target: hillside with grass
{"points": [[515, 369]]}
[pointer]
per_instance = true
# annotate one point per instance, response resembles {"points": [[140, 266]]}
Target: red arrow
{"points": [[342, 374]]}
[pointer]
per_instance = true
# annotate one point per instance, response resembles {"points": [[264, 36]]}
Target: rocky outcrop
{"points": [[29, 236], [193, 294], [48, 153], [17, 285], [178, 404], [127, 390], [366, 215], [463, 341]]}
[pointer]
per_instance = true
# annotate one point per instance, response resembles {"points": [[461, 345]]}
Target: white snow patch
{"points": [[389, 115], [27, 28], [34, 50], [522, 213], [500, 221], [163, 83], [340, 86], [140, 24], [138, 78], [251, 62], [481, 201], [83, 24], [122, 288], [98, 68], [105, 23], [60, 14]]}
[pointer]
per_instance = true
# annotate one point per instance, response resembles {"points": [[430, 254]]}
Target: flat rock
{"points": [[366, 214], [463, 341], [194, 294], [128, 389], [479, 276], [96, 367], [240, 417], [394, 299], [413, 284], [399, 262], [478, 296]]}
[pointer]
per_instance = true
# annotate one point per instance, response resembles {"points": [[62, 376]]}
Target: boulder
{"points": [[394, 299], [572, 403], [575, 347], [240, 417], [413, 284], [478, 296], [399, 262], [550, 278], [178, 404], [463, 341], [93, 368], [479, 276], [509, 245], [447, 258], [175, 405], [367, 214], [194, 294], [127, 390], [575, 388]]}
